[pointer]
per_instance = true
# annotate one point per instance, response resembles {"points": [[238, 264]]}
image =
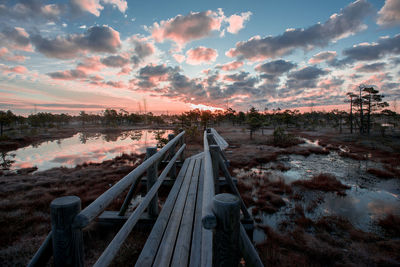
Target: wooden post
{"points": [[171, 151], [67, 241], [214, 150], [226, 239], [182, 141], [151, 179]]}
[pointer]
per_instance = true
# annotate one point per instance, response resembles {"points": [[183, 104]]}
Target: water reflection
{"points": [[81, 148]]}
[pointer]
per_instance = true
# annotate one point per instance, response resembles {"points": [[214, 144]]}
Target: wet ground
{"points": [[368, 199]]}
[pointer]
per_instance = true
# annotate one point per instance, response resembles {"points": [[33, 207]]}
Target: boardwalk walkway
{"points": [[196, 225]]}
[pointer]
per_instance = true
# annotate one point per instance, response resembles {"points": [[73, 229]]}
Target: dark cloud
{"points": [[374, 67], [142, 49], [306, 77], [96, 39], [31, 10], [347, 22], [115, 61], [154, 70], [237, 77], [68, 75], [15, 38], [375, 51], [276, 67], [307, 73]]}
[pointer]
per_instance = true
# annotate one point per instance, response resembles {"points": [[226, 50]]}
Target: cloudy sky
{"points": [[170, 56]]}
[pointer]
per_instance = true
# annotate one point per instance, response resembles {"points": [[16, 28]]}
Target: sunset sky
{"points": [[170, 56]]}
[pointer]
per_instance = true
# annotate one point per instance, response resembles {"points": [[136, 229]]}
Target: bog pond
{"points": [[81, 148]]}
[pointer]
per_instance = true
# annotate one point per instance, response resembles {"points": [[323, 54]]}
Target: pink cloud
{"points": [[183, 29], [178, 57], [5, 54], [322, 56], [51, 10], [91, 6], [236, 22], [125, 71], [201, 55], [234, 65], [17, 69], [90, 64]]}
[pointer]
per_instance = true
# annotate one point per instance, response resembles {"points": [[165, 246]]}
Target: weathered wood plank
{"points": [[183, 242], [150, 248], [195, 252], [99, 205], [109, 253], [44, 253], [166, 248], [248, 251], [234, 189], [208, 218]]}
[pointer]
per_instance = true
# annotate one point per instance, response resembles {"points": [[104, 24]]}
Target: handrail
{"points": [[97, 206], [112, 249], [208, 218]]}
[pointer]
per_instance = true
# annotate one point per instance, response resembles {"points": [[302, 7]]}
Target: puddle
{"points": [[80, 148]]}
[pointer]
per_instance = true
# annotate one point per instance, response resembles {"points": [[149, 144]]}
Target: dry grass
{"points": [[381, 173], [391, 224], [25, 201], [323, 182]]}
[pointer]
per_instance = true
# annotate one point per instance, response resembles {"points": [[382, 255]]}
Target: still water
{"points": [[368, 199], [80, 148]]}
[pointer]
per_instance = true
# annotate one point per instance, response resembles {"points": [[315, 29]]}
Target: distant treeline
{"points": [[253, 118]]}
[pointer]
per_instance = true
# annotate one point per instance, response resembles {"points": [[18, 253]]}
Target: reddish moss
{"points": [[322, 182], [391, 224], [381, 173]]}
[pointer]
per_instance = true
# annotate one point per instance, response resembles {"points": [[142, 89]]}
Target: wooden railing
{"points": [[65, 241], [221, 212]]}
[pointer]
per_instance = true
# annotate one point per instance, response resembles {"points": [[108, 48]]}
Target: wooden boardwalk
{"points": [[196, 226], [176, 236]]}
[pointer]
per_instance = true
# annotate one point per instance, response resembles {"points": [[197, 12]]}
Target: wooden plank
{"points": [[195, 252], [208, 218], [219, 139], [100, 204], [166, 248], [183, 242], [150, 248], [247, 249], [109, 216], [109, 253], [234, 189], [44, 253]]}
